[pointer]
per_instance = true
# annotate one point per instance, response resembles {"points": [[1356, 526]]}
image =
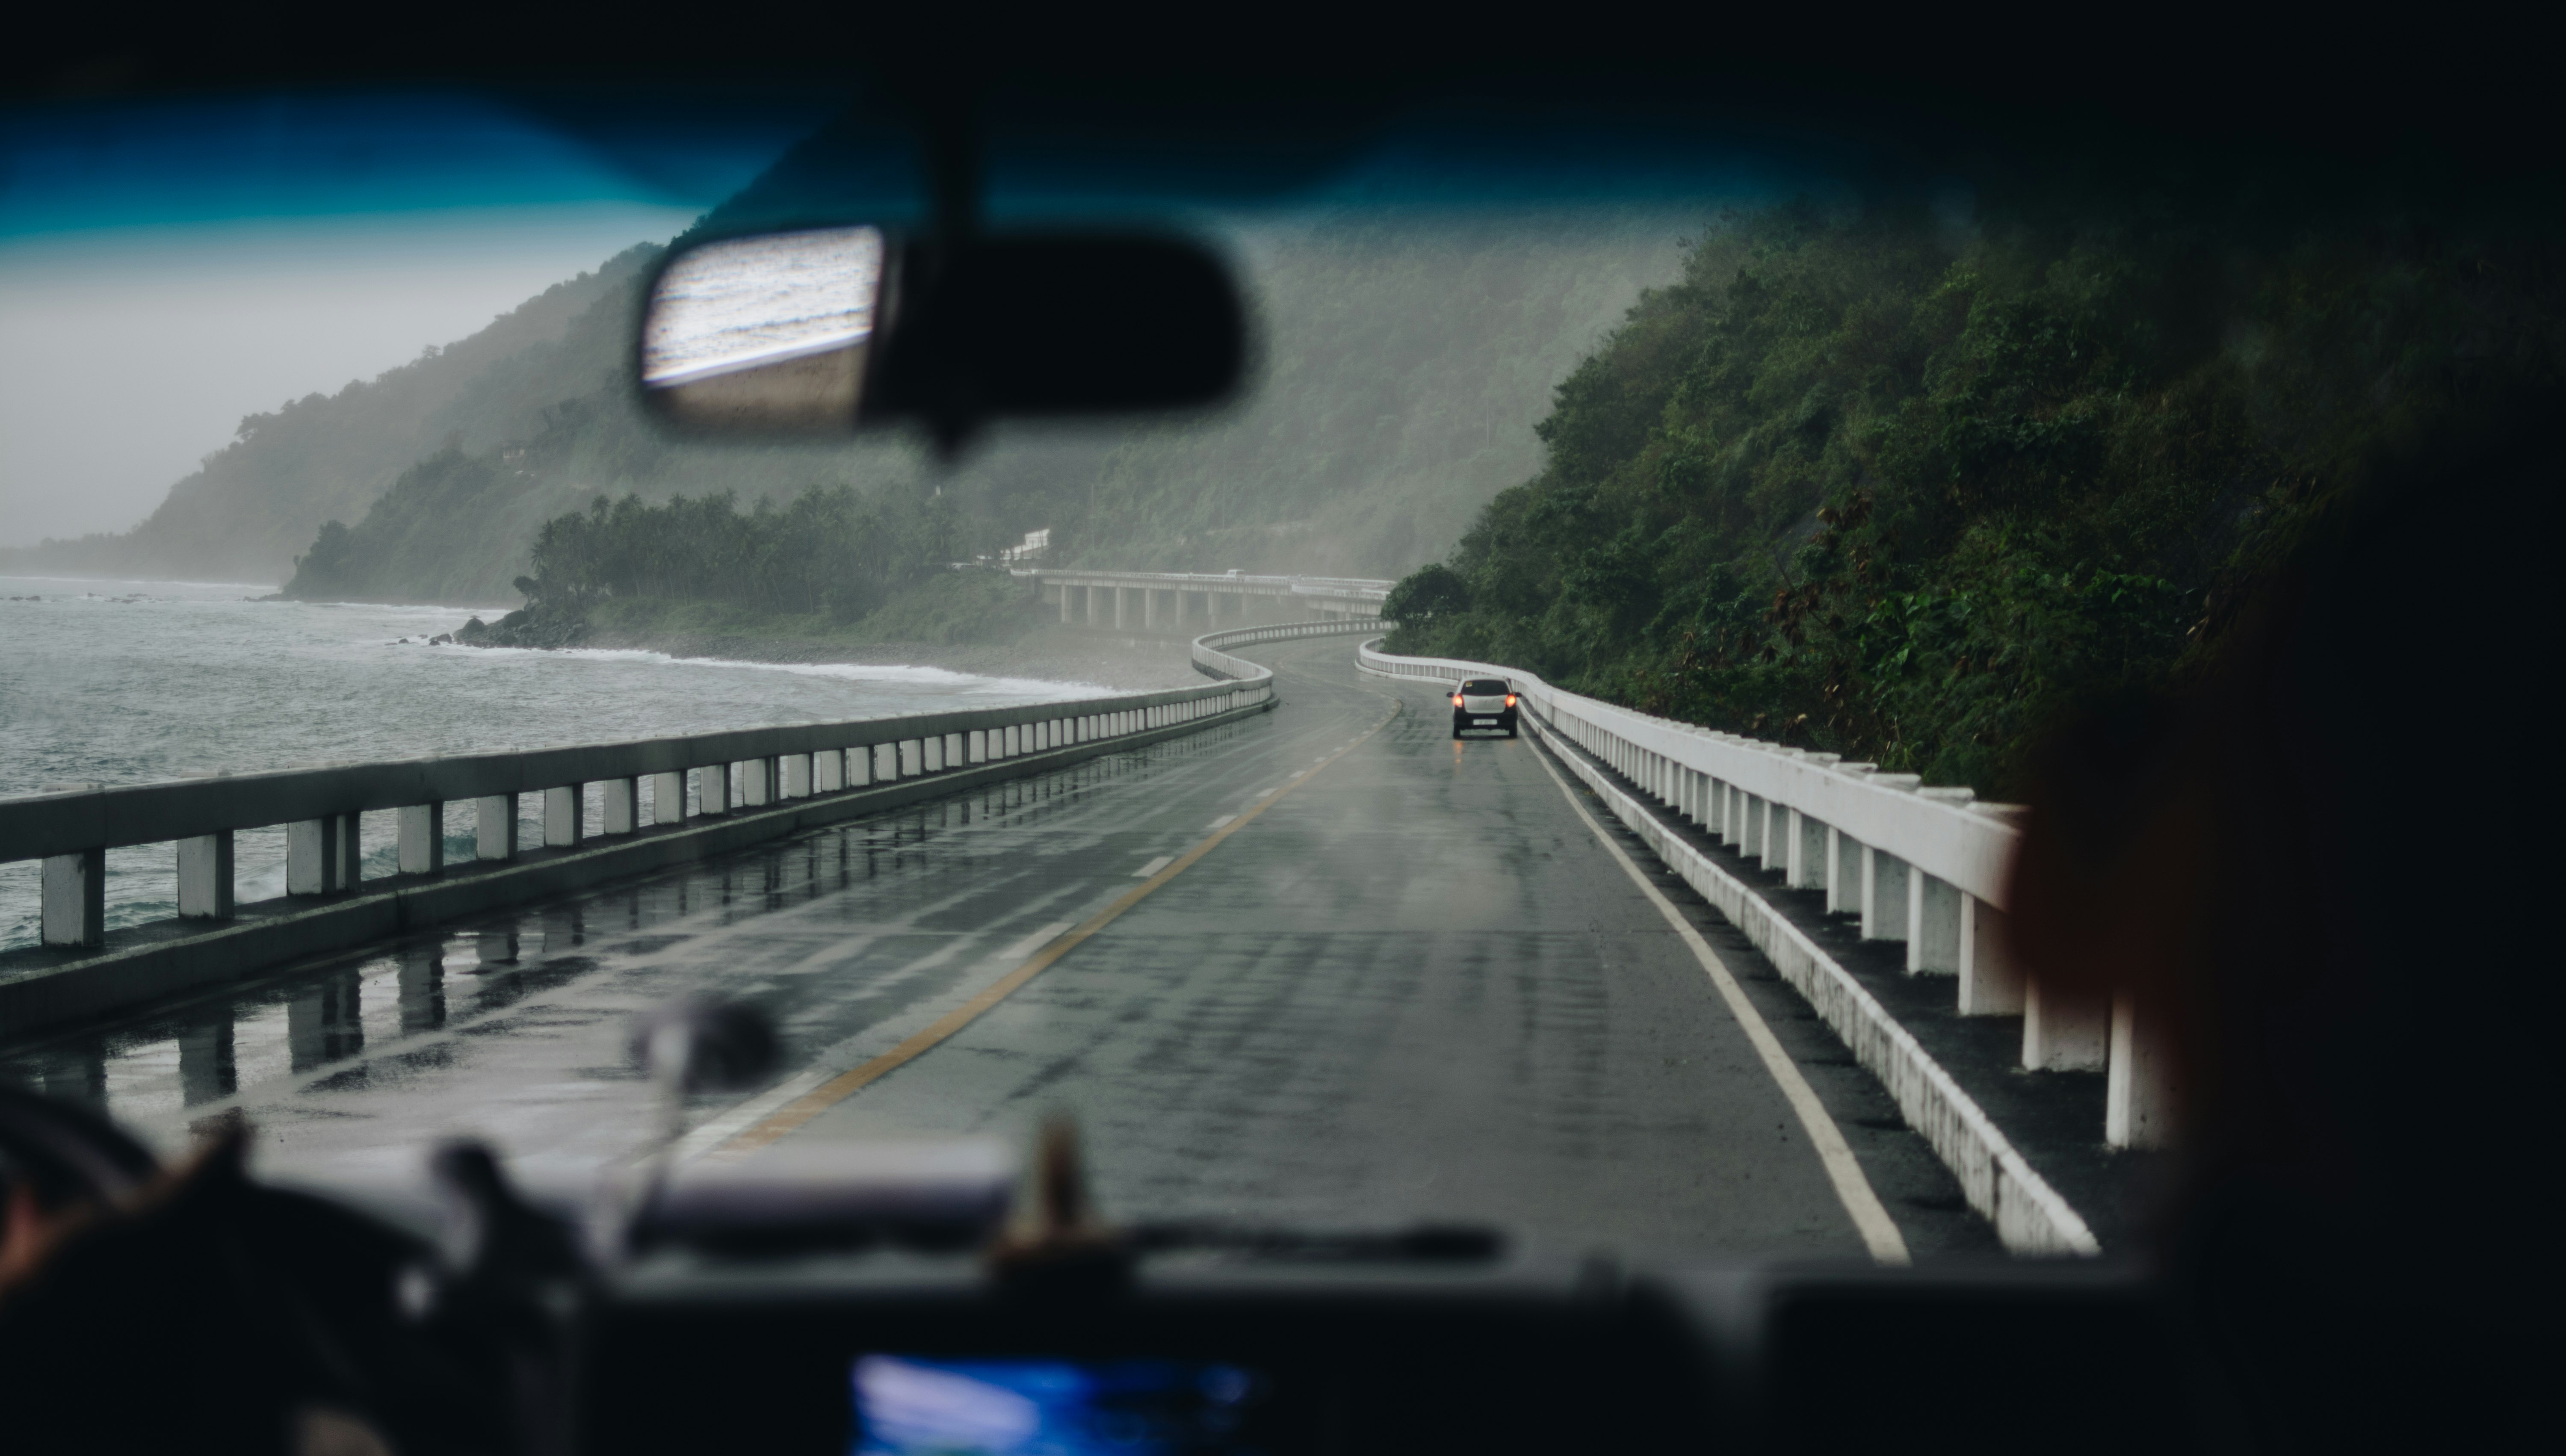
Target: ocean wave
{"points": [[967, 682], [138, 582]]}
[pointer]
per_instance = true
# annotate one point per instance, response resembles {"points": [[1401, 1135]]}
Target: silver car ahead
{"points": [[1483, 704]]}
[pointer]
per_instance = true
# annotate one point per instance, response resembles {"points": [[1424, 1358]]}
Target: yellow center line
{"points": [[847, 1083]]}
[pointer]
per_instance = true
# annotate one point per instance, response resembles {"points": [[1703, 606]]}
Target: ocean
{"points": [[133, 682]]}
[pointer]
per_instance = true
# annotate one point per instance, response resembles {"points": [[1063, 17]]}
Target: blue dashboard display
{"points": [[910, 1406]]}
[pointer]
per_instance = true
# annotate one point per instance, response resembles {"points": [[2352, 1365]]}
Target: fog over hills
{"points": [[255, 501], [1404, 358]]}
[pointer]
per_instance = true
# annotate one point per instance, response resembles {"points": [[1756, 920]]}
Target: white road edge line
{"points": [[1154, 866], [1870, 1217], [1217, 823]]}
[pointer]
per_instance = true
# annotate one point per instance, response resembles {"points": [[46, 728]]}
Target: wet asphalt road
{"points": [[1416, 985]]}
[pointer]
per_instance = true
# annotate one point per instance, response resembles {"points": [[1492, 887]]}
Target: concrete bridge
{"points": [[1173, 601], [1282, 940]]}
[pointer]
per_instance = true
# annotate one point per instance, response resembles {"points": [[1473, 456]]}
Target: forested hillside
{"points": [[1403, 357], [1407, 357], [1401, 366], [1865, 481]]}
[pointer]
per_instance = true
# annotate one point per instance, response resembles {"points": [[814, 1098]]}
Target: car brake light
{"points": [[1510, 700], [1457, 700]]}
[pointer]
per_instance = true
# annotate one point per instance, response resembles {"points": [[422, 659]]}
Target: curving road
{"points": [[1402, 978]]}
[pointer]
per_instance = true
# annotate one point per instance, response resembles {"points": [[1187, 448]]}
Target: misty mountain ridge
{"points": [[1403, 361], [255, 502]]}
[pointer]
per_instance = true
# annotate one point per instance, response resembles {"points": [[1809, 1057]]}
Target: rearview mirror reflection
{"points": [[767, 334]]}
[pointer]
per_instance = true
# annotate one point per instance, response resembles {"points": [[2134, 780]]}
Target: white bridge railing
{"points": [[1921, 865], [1210, 660], [635, 791]]}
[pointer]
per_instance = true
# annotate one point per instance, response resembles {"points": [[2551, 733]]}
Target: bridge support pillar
{"points": [[73, 899], [1810, 859], [669, 797], [856, 765], [2063, 1031], [828, 771], [1883, 896], [1122, 601], [712, 789], [1990, 983], [321, 855], [1211, 609], [1064, 590], [1149, 609], [494, 827], [206, 877], [619, 808], [564, 818], [756, 782], [1932, 925], [796, 777], [2138, 1089], [1091, 606], [1844, 873]]}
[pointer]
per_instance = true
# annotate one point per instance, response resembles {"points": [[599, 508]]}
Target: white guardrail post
{"points": [[1924, 867]]}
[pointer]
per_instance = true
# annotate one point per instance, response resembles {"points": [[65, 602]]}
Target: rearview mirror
{"points": [[831, 330]]}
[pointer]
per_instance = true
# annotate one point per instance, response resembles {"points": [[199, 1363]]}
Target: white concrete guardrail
{"points": [[1922, 865], [1114, 593], [661, 800]]}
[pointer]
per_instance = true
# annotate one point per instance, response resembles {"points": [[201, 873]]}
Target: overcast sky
{"points": [[121, 366], [166, 270]]}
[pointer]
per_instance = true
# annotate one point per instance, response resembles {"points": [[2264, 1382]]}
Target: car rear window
{"points": [[1484, 685]]}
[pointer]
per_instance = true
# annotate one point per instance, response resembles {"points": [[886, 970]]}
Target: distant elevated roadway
{"points": [[1177, 600]]}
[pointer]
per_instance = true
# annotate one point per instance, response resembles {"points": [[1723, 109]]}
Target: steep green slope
{"points": [[1406, 359], [460, 524], [1865, 482], [1403, 363]]}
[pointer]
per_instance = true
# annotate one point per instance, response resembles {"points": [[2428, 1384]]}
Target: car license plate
{"points": [[1486, 722]]}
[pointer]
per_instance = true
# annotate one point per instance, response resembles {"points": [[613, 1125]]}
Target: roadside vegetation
{"points": [[1874, 482], [832, 563]]}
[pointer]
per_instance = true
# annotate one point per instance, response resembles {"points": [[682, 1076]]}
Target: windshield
{"points": [[1766, 487]]}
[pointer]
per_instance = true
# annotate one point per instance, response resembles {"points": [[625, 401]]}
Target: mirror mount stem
{"points": [[948, 116]]}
